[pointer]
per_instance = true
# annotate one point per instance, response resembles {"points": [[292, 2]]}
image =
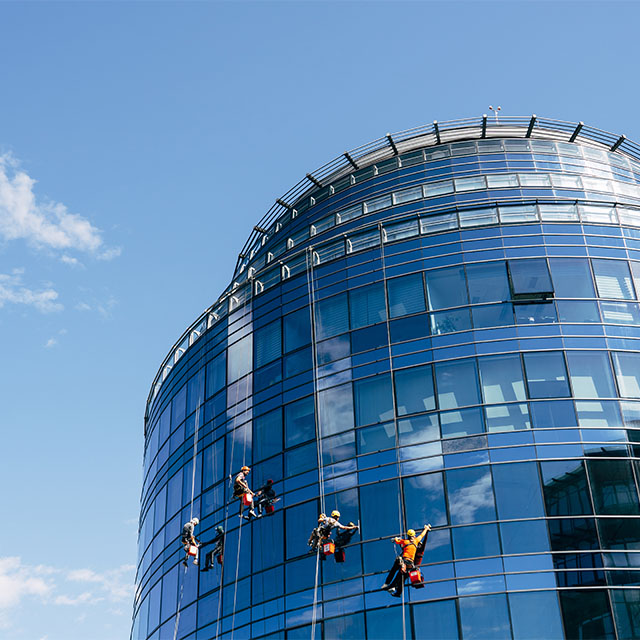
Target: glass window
{"points": [[565, 488], [626, 610], [300, 459], [484, 617], [586, 614], [373, 399], [558, 414], [476, 542], [501, 379], [376, 438], [572, 278], [590, 374], [521, 213], [530, 278], [502, 180], [337, 448], [488, 282], [517, 488], [470, 184], [457, 384], [195, 392], [401, 230], [507, 417], [438, 188], [635, 270], [367, 305], [409, 328], [446, 288], [424, 500], [526, 619], [384, 624], [301, 518], [627, 368], [368, 338], [332, 316], [239, 359], [613, 279], [407, 195], [534, 180], [297, 329], [465, 422], [578, 311], [470, 495], [406, 295], [492, 315], [414, 390], [179, 407], [335, 407], [333, 349], [418, 429], [299, 420], [546, 375], [450, 321], [524, 537], [612, 487], [436, 620], [620, 312], [535, 313], [267, 434], [351, 626], [268, 343], [379, 506], [573, 533], [298, 362]]}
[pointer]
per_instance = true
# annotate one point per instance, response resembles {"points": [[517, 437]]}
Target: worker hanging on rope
{"points": [[217, 553], [242, 491], [321, 535], [189, 541], [266, 498], [406, 564]]}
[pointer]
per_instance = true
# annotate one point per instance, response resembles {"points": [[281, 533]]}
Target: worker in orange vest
{"points": [[404, 562]]}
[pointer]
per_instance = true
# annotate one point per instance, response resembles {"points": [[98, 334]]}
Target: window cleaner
{"points": [[406, 565], [266, 498], [217, 552], [189, 541], [242, 491], [321, 535]]}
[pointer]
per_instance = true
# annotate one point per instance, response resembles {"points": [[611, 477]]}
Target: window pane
{"points": [[565, 488], [367, 305], [535, 313], [239, 362], [470, 184], [216, 374], [449, 321], [578, 311], [484, 617], [470, 495], [379, 509], [517, 488], [419, 429], [374, 402], [438, 188], [267, 434], [526, 618], [414, 390], [297, 329], [546, 375], [409, 328], [384, 624], [507, 417], [612, 486], [502, 180], [494, 315], [572, 278], [299, 420], [530, 277], [590, 374], [586, 614], [488, 282], [446, 288], [635, 270], [406, 295], [620, 312], [332, 316], [376, 438], [336, 409], [300, 518], [424, 500], [626, 610], [524, 537], [345, 627], [457, 384], [465, 422], [268, 343], [613, 279], [627, 367], [436, 620], [501, 379], [301, 459], [337, 448], [559, 414]]}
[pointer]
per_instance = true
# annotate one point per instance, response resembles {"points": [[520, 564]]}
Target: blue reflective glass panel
{"points": [[457, 384], [488, 282], [484, 617], [470, 495], [335, 407], [613, 279], [332, 316], [530, 277], [446, 288], [572, 278], [581, 311], [494, 315], [373, 399], [565, 488], [414, 390], [424, 500], [367, 305], [590, 373], [267, 343], [464, 422], [528, 620], [422, 428], [546, 375], [436, 620], [376, 438], [267, 434], [517, 488], [535, 313], [299, 420], [553, 414], [297, 329], [406, 295], [450, 321], [627, 368], [501, 379]]}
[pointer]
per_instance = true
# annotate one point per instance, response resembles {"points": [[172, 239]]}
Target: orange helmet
{"points": [[245, 469]]}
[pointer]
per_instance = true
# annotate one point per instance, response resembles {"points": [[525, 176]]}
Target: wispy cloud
{"points": [[13, 291], [43, 224], [48, 585], [103, 307]]}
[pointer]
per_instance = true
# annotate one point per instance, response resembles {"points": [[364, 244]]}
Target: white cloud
{"points": [[114, 582], [84, 598], [110, 254], [43, 224], [51, 342], [72, 262], [13, 291], [18, 581], [103, 307]]}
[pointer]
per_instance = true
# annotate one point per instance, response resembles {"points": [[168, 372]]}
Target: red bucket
{"points": [[247, 499], [328, 548], [415, 576]]}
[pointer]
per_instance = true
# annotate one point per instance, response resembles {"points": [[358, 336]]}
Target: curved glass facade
{"points": [[451, 333]]}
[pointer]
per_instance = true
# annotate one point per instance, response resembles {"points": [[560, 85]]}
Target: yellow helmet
{"points": [[411, 533], [335, 513]]}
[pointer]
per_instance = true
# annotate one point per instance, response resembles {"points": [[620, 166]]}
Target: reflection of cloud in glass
{"points": [[466, 502]]}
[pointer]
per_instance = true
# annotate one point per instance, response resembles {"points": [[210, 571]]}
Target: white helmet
{"points": [[195, 521]]}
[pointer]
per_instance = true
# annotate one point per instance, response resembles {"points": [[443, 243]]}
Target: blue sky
{"points": [[139, 144]]}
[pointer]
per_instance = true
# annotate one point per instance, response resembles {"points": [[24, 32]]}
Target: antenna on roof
{"points": [[495, 112]]}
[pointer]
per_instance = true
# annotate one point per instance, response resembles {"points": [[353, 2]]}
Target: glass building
{"points": [[441, 326]]}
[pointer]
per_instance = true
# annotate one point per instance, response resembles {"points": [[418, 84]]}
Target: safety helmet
{"points": [[269, 481], [195, 520], [245, 469], [335, 513], [219, 529], [411, 533], [322, 516]]}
